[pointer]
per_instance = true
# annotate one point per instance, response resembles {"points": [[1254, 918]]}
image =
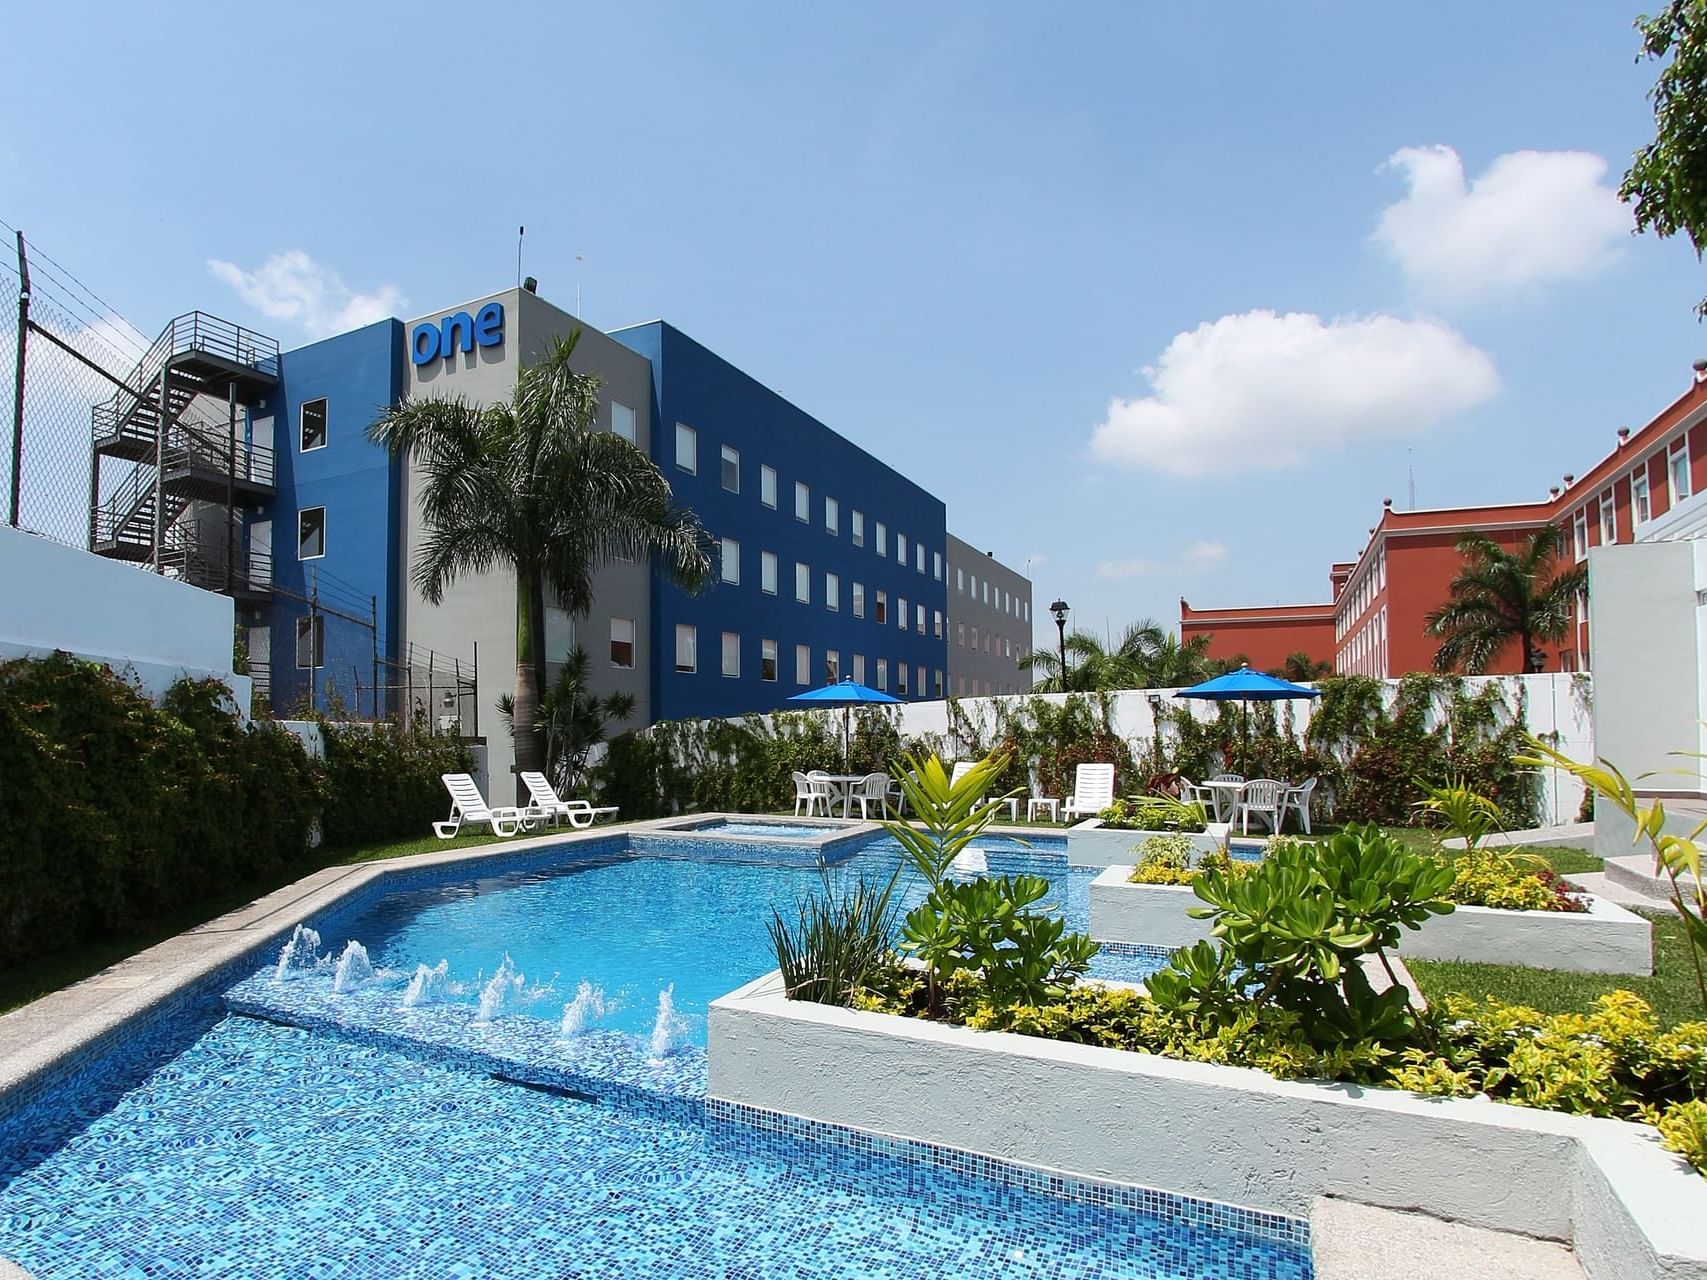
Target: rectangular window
{"points": [[731, 469], [622, 643], [882, 612], [832, 666], [732, 562], [936, 684], [767, 572], [859, 528], [900, 547], [622, 421], [919, 556], [901, 612], [311, 641], [1579, 533], [859, 599], [832, 593], [919, 619], [882, 539], [687, 449], [936, 565], [901, 677], [802, 502], [767, 486], [1608, 520], [986, 591], [687, 648], [311, 533], [960, 634], [1677, 462], [883, 674], [1639, 509], [972, 580], [859, 668], [802, 664], [973, 633], [960, 685], [936, 622], [731, 654], [960, 586], [802, 582], [767, 660], [919, 671], [313, 424], [832, 517]]}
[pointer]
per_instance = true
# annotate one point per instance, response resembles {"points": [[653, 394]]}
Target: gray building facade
{"points": [[989, 623]]}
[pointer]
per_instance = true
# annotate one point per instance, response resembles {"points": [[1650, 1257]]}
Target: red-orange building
{"points": [[1374, 624]]}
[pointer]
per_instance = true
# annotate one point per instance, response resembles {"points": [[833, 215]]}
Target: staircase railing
{"points": [[194, 331]]}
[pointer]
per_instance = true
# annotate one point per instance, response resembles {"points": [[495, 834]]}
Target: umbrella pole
{"points": [[846, 713], [1245, 754]]}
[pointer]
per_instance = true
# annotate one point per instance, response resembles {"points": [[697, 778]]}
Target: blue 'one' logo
{"points": [[485, 328]]}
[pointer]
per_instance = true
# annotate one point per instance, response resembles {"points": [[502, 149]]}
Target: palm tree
{"points": [[1500, 596], [1300, 667], [573, 720], [529, 484], [1147, 657]]}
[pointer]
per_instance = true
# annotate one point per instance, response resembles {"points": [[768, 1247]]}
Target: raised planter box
{"points": [[1090, 844], [1630, 1209], [1604, 939]]}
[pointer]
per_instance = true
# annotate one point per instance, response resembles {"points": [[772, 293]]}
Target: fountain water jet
{"points": [[302, 952], [504, 986], [588, 1006], [670, 1030], [354, 968], [427, 986]]}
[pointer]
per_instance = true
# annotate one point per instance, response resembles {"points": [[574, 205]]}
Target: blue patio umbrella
{"points": [[847, 694], [1247, 686]]}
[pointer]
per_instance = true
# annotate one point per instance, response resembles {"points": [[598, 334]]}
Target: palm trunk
{"points": [[524, 717]]}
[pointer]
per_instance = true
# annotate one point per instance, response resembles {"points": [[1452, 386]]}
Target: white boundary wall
{"points": [[154, 629], [1239, 1136]]}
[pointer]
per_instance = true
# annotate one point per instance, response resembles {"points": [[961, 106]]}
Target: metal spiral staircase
{"points": [[176, 421]]}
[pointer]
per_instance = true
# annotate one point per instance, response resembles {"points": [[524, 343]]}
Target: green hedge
{"points": [[118, 810]]}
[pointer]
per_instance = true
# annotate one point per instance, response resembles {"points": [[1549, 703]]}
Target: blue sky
{"points": [[1027, 254]]}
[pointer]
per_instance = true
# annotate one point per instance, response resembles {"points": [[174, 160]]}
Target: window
{"points": [[802, 582], [883, 674], [802, 502], [901, 612], [960, 586], [731, 654], [767, 486], [936, 622], [313, 423], [832, 666], [859, 668], [936, 565], [986, 591], [731, 469], [802, 664], [767, 660], [882, 539], [882, 612], [919, 556], [974, 634], [919, 619], [832, 593], [919, 683], [1608, 520], [972, 579], [960, 685], [732, 562], [687, 449], [311, 533], [767, 572], [901, 677], [859, 528], [832, 517], [859, 599], [311, 641], [1639, 509], [622, 643], [900, 547], [1579, 533], [1677, 462], [687, 648], [960, 634], [936, 684], [622, 421], [1025, 612]]}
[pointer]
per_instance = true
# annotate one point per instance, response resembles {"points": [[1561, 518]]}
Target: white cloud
{"points": [[1199, 557], [1261, 391], [1531, 217], [293, 287]]}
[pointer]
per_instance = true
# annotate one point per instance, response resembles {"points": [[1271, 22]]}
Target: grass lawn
{"points": [[21, 984]]}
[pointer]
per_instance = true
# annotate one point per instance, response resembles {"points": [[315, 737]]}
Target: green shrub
{"points": [[1483, 878], [1165, 860], [382, 782], [1154, 813], [841, 936], [1683, 1129]]}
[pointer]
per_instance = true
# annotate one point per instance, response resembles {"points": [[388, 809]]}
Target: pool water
{"points": [[267, 1151], [780, 830]]}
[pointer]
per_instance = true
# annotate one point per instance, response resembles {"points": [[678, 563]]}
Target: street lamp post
{"points": [[1059, 609]]}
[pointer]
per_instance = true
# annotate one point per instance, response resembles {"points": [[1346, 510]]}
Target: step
{"points": [[1565, 835], [1635, 871], [1353, 1241]]}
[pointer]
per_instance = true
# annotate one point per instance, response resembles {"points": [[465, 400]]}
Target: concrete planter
{"points": [[1090, 844], [1630, 1209], [1604, 939]]}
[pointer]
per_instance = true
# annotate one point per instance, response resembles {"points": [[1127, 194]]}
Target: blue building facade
{"points": [[831, 563]]}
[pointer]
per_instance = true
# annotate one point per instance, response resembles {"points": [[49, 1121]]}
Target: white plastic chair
{"points": [[822, 789], [1093, 791], [1228, 777], [578, 813], [467, 805], [805, 794], [1297, 800], [1263, 797], [873, 789]]}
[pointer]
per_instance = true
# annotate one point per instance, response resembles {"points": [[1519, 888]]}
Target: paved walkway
{"points": [[1357, 1242], [1567, 835]]}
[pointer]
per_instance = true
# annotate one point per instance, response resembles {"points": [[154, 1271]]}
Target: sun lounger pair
{"points": [[469, 807]]}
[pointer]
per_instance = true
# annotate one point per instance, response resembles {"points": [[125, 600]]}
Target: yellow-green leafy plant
{"points": [[1461, 809], [1165, 859], [1484, 878], [1683, 1129], [1679, 857]]}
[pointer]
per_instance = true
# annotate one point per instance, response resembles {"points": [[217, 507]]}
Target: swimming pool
{"points": [[333, 1146]]}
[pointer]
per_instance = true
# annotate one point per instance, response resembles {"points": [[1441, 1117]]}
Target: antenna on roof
{"points": [[578, 261], [520, 232], [1411, 482]]}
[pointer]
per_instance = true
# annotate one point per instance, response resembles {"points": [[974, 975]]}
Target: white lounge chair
{"points": [[579, 813], [1093, 791], [1297, 800], [1263, 797], [467, 805], [964, 767]]}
